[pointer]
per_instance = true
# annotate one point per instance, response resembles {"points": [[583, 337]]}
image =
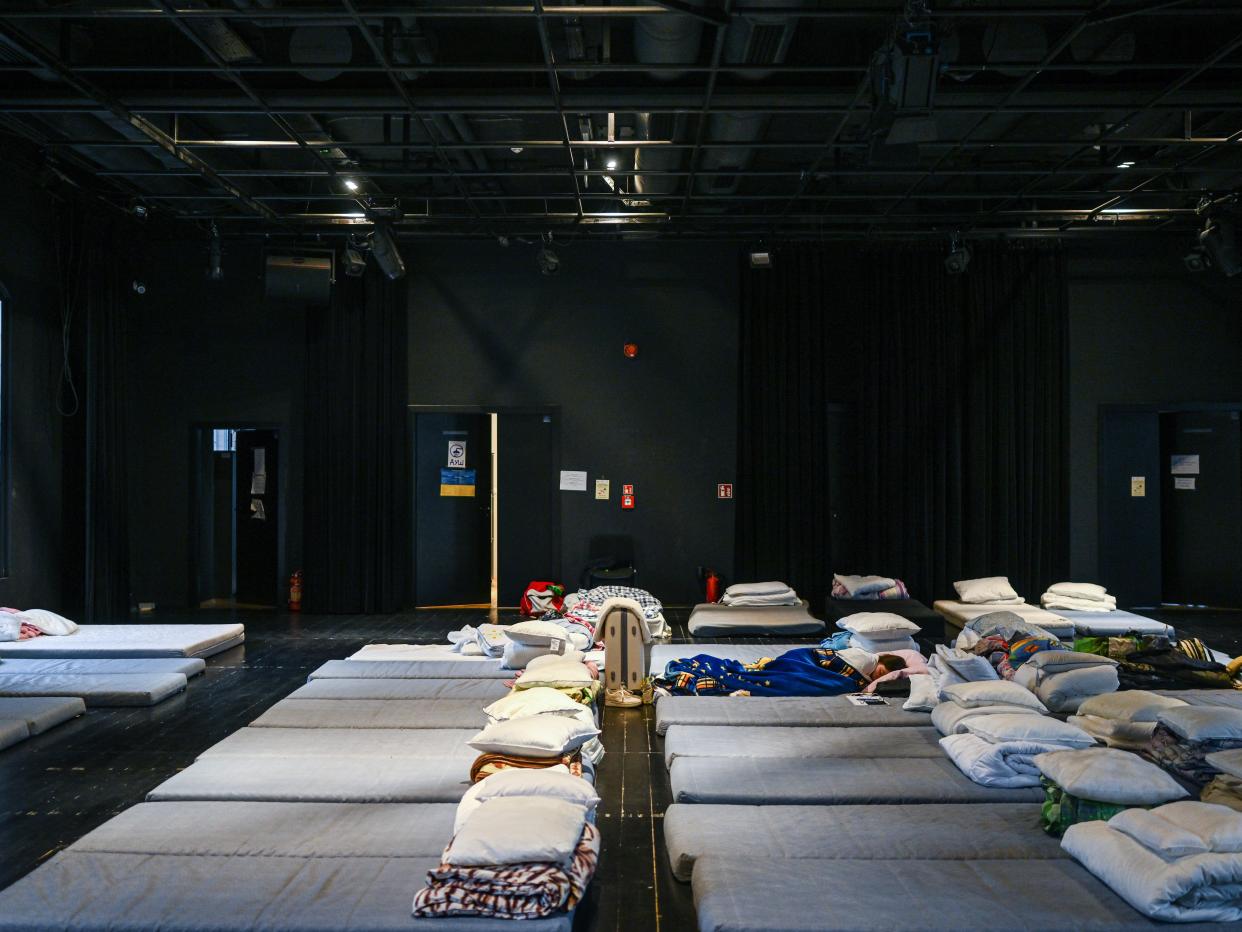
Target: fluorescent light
{"points": [[611, 164], [351, 184], [516, 150], [1125, 164]]}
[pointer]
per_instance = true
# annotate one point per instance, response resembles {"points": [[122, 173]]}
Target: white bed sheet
{"points": [[959, 614], [1113, 624]]}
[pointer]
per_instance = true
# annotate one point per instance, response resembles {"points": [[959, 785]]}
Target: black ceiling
{"points": [[711, 118]]}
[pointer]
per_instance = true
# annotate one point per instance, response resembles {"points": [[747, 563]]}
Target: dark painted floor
{"points": [[56, 787]]}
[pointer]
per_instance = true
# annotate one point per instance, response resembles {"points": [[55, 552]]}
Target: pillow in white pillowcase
{"points": [[518, 830], [1109, 775], [554, 782], [554, 671], [539, 736], [879, 626], [537, 634], [924, 696], [986, 589], [1022, 727], [538, 701], [993, 692]]}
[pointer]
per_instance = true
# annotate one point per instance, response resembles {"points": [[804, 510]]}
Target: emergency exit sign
{"points": [[724, 490]]}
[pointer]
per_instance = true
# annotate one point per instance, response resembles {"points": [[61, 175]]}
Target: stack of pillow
{"points": [[1098, 783], [543, 700], [524, 847], [760, 594], [880, 632], [527, 640], [1179, 862], [1184, 737], [1064, 679], [867, 587], [987, 590], [1225, 789], [994, 730], [564, 672], [1078, 597], [533, 730], [1123, 719]]}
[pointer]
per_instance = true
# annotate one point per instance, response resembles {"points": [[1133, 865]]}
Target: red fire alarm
{"points": [[724, 490], [627, 490], [627, 502], [630, 350]]}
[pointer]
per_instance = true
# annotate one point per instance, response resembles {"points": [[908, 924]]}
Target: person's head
{"points": [[885, 664]]}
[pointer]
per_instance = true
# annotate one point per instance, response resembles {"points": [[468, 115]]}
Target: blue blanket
{"points": [[806, 671]]}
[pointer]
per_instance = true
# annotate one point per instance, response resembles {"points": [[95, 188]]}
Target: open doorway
{"points": [[236, 517]]}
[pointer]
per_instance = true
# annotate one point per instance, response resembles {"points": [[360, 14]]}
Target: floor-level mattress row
{"points": [[325, 813]]}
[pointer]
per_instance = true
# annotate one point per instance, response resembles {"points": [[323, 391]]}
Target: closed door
{"points": [[452, 514], [1202, 507], [528, 518], [256, 515], [1130, 493]]}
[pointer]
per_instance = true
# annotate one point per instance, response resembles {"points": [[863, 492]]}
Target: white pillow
{"points": [[1024, 727], [538, 701], [1065, 692], [879, 626], [949, 718], [1048, 662], [10, 627], [518, 656], [538, 634], [553, 660], [970, 667], [993, 692], [539, 736], [1080, 590], [557, 672], [1183, 828], [1129, 705], [875, 646], [1227, 762], [924, 696], [1109, 775], [518, 830], [554, 782], [48, 622], [1203, 723], [986, 589]]}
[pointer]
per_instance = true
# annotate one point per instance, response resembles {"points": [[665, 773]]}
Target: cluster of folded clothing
{"points": [[759, 594], [1178, 862], [1097, 783], [1185, 736], [1154, 662], [1125, 719], [1225, 789], [524, 847], [585, 607], [867, 587], [23, 624], [1078, 597]]}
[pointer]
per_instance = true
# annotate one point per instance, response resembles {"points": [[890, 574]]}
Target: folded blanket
{"points": [[516, 891], [489, 763], [757, 588], [1006, 763], [1081, 591], [1116, 733], [897, 590], [788, 597], [1050, 601], [860, 586], [1198, 888]]}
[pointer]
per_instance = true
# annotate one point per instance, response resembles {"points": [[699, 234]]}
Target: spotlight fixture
{"points": [[140, 211], [548, 261], [503, 241], [215, 252], [958, 259], [139, 287], [1197, 261], [1219, 240], [351, 184], [384, 249], [611, 163], [353, 261], [516, 150], [760, 259]]}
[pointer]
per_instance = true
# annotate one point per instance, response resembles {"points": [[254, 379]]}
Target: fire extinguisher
{"points": [[295, 592], [713, 586]]}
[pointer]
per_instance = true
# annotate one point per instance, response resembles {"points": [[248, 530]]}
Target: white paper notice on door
{"points": [[573, 481], [1184, 482], [1184, 464], [258, 484], [260, 461]]}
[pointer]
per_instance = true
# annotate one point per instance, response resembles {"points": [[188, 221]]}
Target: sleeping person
{"points": [[804, 671]]}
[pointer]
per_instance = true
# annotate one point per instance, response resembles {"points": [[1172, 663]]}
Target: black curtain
{"points": [[94, 273], [357, 533], [957, 387]]}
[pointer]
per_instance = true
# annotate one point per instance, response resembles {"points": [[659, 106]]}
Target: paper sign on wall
{"points": [[573, 481], [457, 454], [1184, 464], [602, 489], [457, 483], [1186, 483]]}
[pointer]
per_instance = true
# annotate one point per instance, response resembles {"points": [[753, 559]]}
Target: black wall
{"points": [[487, 329], [1143, 330], [204, 353]]}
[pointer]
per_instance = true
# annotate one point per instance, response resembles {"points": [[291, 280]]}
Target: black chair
{"points": [[610, 562]]}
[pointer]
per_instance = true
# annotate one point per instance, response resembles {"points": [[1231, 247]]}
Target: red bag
{"points": [[540, 597]]}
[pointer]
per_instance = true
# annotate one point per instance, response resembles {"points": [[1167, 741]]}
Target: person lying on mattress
{"points": [[804, 671]]}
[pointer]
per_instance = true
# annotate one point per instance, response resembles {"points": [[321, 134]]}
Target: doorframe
{"points": [[192, 501], [412, 411]]}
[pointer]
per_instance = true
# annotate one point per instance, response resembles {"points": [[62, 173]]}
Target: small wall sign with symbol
{"points": [[724, 490], [457, 454]]}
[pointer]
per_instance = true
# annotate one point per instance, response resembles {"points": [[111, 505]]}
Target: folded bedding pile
{"points": [[759, 594], [1225, 789], [1096, 783], [1157, 663], [880, 632], [1185, 736], [1179, 862], [584, 609], [977, 597], [24, 625], [845, 586], [1064, 679], [1081, 597], [716, 619], [1125, 719]]}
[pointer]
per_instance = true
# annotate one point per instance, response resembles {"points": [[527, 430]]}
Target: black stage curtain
{"points": [[90, 251], [356, 541], [957, 385]]}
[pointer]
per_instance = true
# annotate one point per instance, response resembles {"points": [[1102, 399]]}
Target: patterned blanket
{"points": [[897, 591], [513, 891], [1185, 760], [489, 763], [805, 671]]}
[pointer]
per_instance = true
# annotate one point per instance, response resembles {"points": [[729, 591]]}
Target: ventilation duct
{"points": [[668, 40]]}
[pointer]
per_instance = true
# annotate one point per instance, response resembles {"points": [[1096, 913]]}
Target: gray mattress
{"points": [[90, 892], [828, 781], [411, 669], [75, 666], [481, 691], [661, 654], [132, 641], [12, 731], [319, 779], [96, 689], [898, 832], [1226, 698], [738, 894], [347, 742], [714, 620], [373, 713], [41, 712], [760, 741], [1113, 624], [338, 830], [836, 711]]}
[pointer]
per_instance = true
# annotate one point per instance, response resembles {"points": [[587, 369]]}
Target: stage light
{"points": [[611, 164], [957, 260], [1197, 261], [139, 287], [1126, 164], [351, 184], [384, 249], [353, 262], [1220, 239], [760, 259], [548, 261]]}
